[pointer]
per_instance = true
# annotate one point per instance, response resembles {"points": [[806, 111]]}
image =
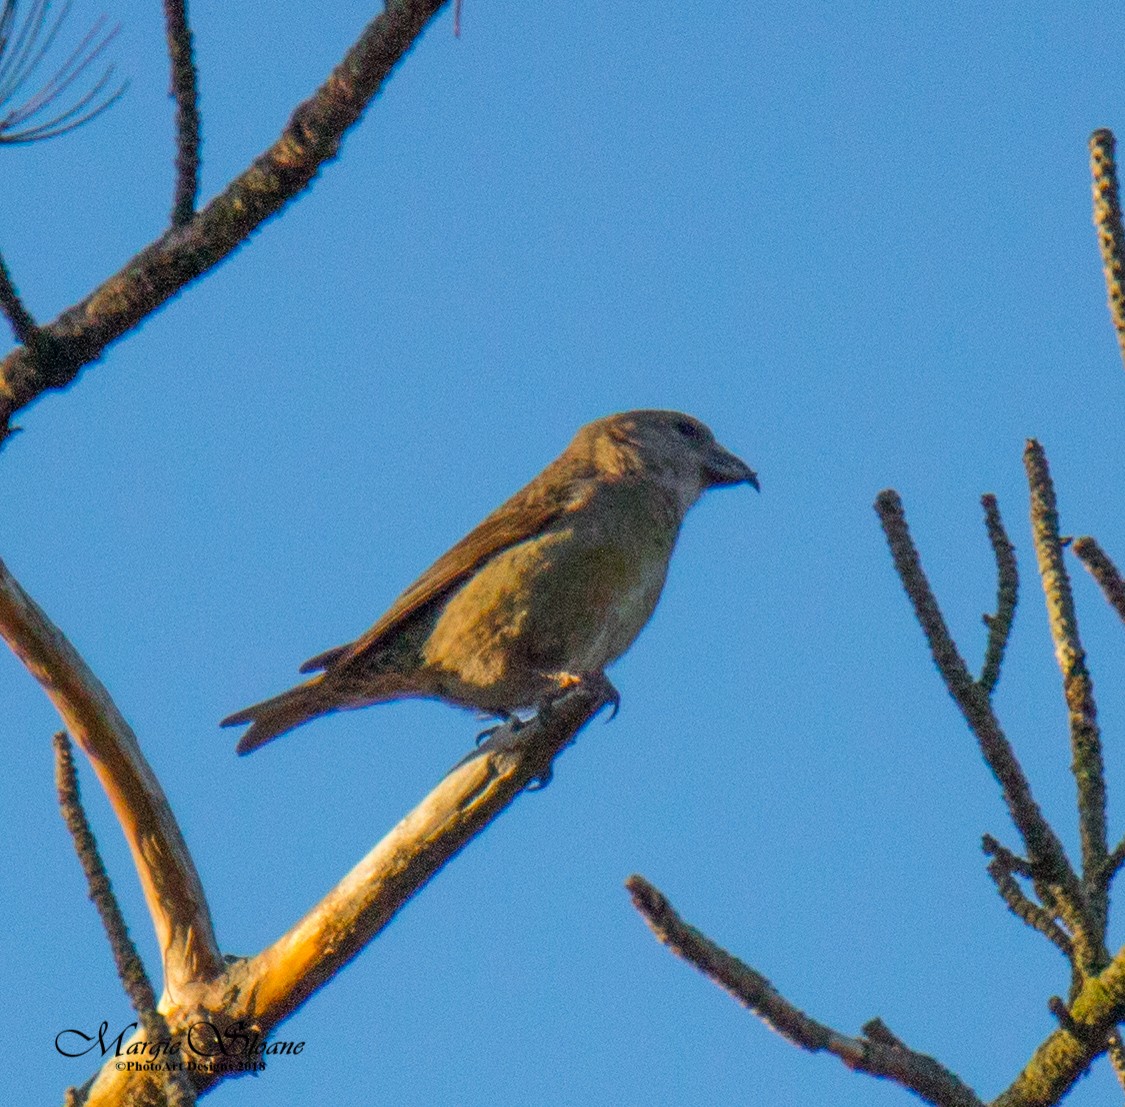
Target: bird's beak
{"points": [[722, 467]]}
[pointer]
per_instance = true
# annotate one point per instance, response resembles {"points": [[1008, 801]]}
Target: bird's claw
{"points": [[613, 698], [538, 783], [513, 721]]}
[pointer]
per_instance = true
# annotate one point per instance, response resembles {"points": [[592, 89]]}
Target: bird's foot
{"points": [[595, 681], [538, 783], [612, 697]]}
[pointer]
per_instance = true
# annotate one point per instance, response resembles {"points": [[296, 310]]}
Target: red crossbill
{"points": [[553, 586]]}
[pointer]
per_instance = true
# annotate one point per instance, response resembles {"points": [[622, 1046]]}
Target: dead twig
{"points": [[184, 84], [879, 1053]]}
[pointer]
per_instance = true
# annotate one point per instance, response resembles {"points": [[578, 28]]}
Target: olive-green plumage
{"points": [[552, 587]]}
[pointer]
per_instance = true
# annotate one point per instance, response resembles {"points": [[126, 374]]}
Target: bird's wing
{"points": [[560, 488]]}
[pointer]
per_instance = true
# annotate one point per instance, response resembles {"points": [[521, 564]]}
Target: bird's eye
{"points": [[689, 430]]}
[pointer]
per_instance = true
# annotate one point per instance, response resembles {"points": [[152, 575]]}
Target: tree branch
{"points": [[171, 885], [1107, 220], [1065, 1055], [1103, 570], [178, 1089], [264, 989], [1056, 881], [125, 956], [1007, 593], [312, 137], [183, 90], [1078, 687], [22, 324], [1038, 918], [879, 1053], [284, 975]]}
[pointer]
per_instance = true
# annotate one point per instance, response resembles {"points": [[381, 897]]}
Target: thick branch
{"points": [[1048, 858], [1065, 1055], [312, 137], [283, 976], [1107, 220], [1078, 687], [880, 1053], [268, 987], [171, 885], [183, 90]]}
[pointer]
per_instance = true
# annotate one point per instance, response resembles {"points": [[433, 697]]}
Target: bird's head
{"points": [[676, 449]]}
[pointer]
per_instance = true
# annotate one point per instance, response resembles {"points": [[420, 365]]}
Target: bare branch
{"points": [[880, 1053], [23, 326], [1114, 862], [1065, 1056], [1116, 1052], [1005, 866], [1031, 913], [312, 137], [1107, 220], [171, 885], [183, 90], [1103, 570], [265, 989], [1007, 592], [1078, 687], [130, 967], [282, 977], [1055, 878], [1012, 862]]}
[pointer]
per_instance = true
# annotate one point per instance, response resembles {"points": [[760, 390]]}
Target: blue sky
{"points": [[855, 239]]}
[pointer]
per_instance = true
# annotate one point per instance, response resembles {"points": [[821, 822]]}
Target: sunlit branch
{"points": [[1078, 688], [168, 877], [268, 987], [283, 976]]}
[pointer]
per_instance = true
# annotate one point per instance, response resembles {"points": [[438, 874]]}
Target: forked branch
{"points": [[266, 988], [311, 138], [168, 877], [878, 1052], [1056, 882]]}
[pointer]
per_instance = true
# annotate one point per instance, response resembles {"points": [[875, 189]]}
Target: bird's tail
{"points": [[320, 696], [275, 716]]}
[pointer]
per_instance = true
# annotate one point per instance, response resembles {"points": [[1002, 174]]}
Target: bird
{"points": [[541, 596]]}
